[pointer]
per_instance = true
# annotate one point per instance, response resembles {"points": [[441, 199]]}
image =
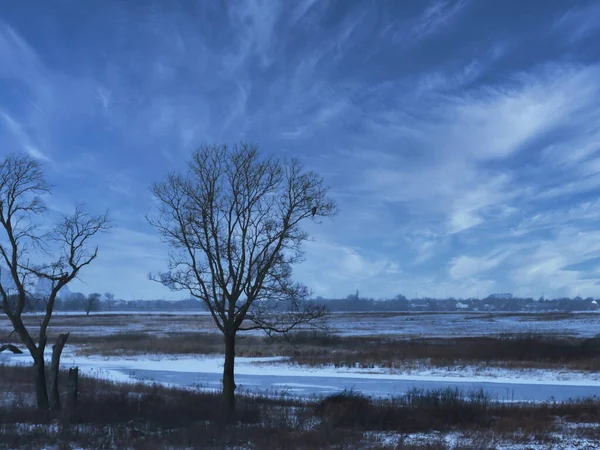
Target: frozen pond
{"points": [[278, 377], [323, 385]]}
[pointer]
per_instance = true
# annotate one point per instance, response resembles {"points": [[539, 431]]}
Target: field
{"points": [[513, 367], [345, 324]]}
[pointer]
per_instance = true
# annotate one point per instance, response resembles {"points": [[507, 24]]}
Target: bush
{"points": [[347, 409]]}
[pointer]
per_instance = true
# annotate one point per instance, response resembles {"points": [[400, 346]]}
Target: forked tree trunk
{"points": [[228, 375], [41, 389], [54, 371]]}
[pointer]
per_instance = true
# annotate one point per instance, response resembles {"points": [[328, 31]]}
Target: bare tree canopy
{"points": [[92, 303], [28, 253], [109, 298], [234, 223]]}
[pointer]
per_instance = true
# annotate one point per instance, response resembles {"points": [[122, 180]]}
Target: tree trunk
{"points": [[40, 382], [54, 370], [72, 388], [228, 375]]}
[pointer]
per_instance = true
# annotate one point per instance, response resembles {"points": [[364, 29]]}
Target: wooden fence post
{"points": [[72, 387]]}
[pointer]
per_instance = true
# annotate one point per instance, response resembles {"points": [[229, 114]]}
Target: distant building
{"points": [[44, 287], [501, 296]]}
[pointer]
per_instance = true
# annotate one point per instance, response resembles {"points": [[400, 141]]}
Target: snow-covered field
{"points": [[276, 374], [465, 324], [456, 324]]}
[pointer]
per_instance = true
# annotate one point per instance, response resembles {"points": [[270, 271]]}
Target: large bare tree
{"points": [[233, 221], [29, 253]]}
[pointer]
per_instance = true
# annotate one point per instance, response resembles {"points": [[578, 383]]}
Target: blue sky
{"points": [[460, 138]]}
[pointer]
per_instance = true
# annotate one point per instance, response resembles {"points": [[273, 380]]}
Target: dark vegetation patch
{"points": [[135, 343], [320, 348], [450, 409], [513, 351], [144, 416], [140, 416]]}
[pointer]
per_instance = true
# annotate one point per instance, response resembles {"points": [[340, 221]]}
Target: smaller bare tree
{"points": [[92, 303], [108, 300], [22, 243]]}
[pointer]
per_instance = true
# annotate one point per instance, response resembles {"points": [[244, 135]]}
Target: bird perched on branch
{"points": [[314, 211]]}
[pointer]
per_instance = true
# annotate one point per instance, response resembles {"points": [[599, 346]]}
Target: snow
{"points": [[464, 324], [279, 365], [454, 440], [276, 374]]}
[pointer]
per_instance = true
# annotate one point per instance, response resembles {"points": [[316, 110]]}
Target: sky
{"points": [[460, 138]]}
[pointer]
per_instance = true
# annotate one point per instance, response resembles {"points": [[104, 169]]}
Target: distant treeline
{"points": [[492, 303], [77, 302], [352, 303]]}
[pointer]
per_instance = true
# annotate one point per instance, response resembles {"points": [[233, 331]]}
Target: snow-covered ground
{"points": [[277, 375], [465, 324], [456, 440], [455, 324]]}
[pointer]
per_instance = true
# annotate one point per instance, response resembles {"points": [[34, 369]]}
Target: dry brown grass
{"points": [[171, 343], [142, 416], [315, 349], [512, 351]]}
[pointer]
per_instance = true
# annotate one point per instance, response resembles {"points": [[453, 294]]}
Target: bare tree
{"points": [[109, 299], [23, 247], [233, 221], [92, 303]]}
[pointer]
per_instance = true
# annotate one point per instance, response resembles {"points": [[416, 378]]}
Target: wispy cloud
{"points": [[302, 8], [546, 266], [22, 137], [456, 138], [254, 23], [437, 15], [580, 23], [465, 268], [332, 263], [19, 59]]}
